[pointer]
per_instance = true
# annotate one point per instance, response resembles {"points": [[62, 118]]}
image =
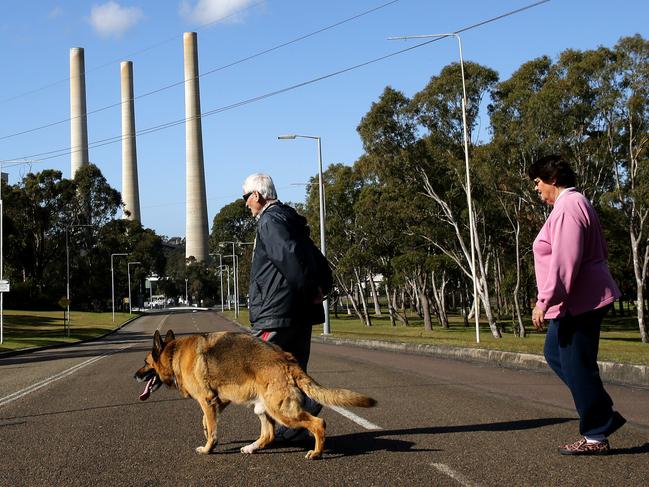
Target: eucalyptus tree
{"points": [[628, 144], [233, 223], [438, 111], [592, 107]]}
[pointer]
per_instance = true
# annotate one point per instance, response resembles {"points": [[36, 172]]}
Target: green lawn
{"points": [[620, 339], [620, 336], [23, 329]]}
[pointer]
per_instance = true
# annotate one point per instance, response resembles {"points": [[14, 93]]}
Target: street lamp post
{"points": [[221, 276], [323, 243], [112, 281], [227, 273], [235, 284], [128, 273], [186, 297], [469, 200]]}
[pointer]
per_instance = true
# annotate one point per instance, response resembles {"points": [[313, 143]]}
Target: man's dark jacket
{"points": [[282, 284]]}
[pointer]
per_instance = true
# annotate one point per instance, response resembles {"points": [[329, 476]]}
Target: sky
{"points": [[249, 49]]}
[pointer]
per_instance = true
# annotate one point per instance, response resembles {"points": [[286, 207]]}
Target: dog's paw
{"points": [[312, 455], [249, 449], [202, 450]]}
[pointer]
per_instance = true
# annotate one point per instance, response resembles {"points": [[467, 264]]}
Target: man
{"points": [[284, 301]]}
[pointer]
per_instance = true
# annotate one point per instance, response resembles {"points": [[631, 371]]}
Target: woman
{"points": [[575, 290]]}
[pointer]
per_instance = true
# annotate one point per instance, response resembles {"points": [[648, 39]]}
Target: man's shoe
{"points": [[291, 434], [311, 406], [282, 433], [582, 447]]}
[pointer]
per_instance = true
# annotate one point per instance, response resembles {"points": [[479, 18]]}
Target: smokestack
{"points": [[196, 200], [78, 120], [130, 190]]}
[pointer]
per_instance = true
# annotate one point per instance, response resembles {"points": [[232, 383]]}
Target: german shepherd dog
{"points": [[219, 368]]}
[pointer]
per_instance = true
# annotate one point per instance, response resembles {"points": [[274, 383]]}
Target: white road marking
{"points": [[458, 477], [34, 387], [356, 419]]}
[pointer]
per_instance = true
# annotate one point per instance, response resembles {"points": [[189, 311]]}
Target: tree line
{"points": [[397, 223], [400, 211]]}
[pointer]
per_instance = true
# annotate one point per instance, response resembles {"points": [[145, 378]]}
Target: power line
{"points": [[135, 53], [111, 140], [211, 71]]}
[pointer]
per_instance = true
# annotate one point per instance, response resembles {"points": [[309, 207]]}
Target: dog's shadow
{"points": [[384, 440]]}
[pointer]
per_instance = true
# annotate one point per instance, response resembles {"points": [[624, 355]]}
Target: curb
{"points": [[612, 372]]}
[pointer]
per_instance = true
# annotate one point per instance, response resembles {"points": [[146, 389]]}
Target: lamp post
{"points": [[186, 297], [235, 284], [128, 273], [67, 271], [221, 276], [227, 273], [112, 281], [469, 200], [323, 245]]}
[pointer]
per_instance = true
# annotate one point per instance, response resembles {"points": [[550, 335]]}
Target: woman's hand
{"points": [[538, 318]]}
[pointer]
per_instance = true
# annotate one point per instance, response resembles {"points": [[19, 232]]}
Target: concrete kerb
{"points": [[616, 373], [612, 372]]}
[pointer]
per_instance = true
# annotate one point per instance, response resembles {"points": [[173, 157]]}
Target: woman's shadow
{"points": [[383, 440]]}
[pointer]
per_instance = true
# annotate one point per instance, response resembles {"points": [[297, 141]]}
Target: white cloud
{"points": [[111, 19], [206, 11]]}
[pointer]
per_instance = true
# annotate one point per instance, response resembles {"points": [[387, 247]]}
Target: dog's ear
{"points": [[157, 345], [169, 336]]}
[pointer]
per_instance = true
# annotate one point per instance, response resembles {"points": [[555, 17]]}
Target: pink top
{"points": [[570, 259]]}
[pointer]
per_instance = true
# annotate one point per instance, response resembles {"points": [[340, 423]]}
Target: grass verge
{"points": [[26, 329], [619, 342]]}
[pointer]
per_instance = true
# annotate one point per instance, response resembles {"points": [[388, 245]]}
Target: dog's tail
{"points": [[330, 397]]}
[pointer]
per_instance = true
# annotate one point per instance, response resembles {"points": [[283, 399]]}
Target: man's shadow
{"points": [[383, 440]]}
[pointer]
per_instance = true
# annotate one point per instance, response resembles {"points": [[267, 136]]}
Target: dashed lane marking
{"points": [[355, 418], [458, 477]]}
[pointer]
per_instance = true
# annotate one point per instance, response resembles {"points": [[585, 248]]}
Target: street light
{"points": [[67, 271], [235, 277], [469, 200], [112, 281], [128, 273], [323, 247], [221, 276]]}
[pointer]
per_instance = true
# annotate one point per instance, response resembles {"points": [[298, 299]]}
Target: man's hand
{"points": [[538, 318]]}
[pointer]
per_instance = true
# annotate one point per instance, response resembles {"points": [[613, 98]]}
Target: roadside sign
{"points": [[4, 286]]}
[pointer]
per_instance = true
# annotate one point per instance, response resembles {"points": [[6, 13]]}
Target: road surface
{"points": [[71, 417]]}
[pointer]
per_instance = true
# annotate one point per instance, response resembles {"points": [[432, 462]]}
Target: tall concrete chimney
{"points": [[78, 120], [196, 200], [130, 189]]}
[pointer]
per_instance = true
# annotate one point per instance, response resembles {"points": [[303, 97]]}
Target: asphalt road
{"points": [[71, 417]]}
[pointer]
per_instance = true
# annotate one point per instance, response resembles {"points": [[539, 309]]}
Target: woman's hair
{"points": [[553, 169], [262, 183]]}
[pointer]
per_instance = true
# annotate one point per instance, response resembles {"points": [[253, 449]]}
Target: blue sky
{"points": [[36, 37]]}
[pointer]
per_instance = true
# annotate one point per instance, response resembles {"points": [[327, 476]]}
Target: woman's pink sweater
{"points": [[570, 259]]}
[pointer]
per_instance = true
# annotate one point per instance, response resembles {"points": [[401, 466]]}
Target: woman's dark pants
{"points": [[571, 347]]}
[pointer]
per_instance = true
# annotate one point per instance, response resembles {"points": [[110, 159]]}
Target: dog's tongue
{"points": [[147, 390]]}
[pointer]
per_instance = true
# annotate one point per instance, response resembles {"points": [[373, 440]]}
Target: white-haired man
{"points": [[285, 302]]}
